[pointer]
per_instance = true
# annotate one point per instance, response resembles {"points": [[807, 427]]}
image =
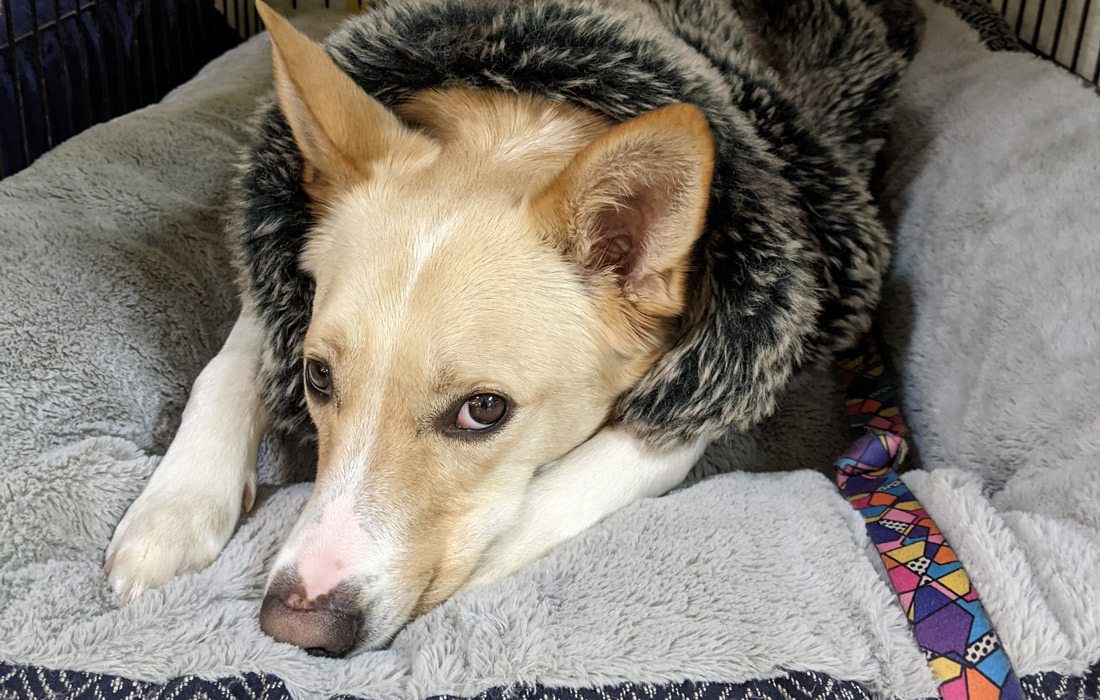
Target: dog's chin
{"points": [[378, 632], [384, 617], [393, 617]]}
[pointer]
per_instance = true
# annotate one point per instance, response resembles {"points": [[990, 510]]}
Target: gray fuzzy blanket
{"points": [[117, 288]]}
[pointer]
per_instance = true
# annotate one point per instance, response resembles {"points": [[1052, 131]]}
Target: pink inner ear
{"points": [[622, 232], [615, 250]]}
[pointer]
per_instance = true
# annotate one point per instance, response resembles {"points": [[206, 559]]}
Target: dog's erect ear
{"points": [[340, 130], [632, 204]]}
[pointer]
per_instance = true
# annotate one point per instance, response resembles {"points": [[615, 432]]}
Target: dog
{"points": [[509, 267]]}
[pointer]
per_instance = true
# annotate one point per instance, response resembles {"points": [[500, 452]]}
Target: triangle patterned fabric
{"points": [[949, 622]]}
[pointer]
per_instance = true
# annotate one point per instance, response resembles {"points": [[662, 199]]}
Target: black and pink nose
{"points": [[327, 625]]}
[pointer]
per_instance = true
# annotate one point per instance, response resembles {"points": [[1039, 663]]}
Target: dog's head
{"points": [[491, 273]]}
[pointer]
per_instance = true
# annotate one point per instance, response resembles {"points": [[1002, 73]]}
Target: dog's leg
{"points": [[190, 506], [611, 470]]}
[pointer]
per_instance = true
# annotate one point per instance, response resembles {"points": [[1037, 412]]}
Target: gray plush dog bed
{"points": [[117, 289]]}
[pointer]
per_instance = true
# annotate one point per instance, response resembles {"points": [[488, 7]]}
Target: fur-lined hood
{"points": [[797, 95]]}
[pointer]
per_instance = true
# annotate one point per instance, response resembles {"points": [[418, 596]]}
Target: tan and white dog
{"points": [[558, 248], [492, 271]]}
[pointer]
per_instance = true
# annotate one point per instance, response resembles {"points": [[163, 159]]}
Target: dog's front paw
{"points": [[166, 533]]}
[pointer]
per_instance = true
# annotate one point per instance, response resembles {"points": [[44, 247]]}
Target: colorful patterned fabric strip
{"points": [[949, 622]]}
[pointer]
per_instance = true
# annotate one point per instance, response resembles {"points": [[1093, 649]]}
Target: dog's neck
{"points": [[513, 142]]}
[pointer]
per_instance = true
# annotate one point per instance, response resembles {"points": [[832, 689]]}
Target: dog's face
{"points": [[487, 284]]}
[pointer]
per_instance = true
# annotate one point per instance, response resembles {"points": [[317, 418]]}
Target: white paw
{"points": [[168, 532]]}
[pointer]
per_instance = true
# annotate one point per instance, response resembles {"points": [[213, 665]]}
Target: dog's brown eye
{"points": [[481, 412], [319, 379]]}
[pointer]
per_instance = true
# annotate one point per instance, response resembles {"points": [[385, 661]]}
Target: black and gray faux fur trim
{"points": [[798, 95]]}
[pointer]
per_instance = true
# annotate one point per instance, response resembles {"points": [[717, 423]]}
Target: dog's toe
{"points": [[162, 537]]}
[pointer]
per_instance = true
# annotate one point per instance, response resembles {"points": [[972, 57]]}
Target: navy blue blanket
{"points": [[28, 681]]}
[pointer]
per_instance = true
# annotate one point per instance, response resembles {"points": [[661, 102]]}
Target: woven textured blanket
{"points": [[755, 580]]}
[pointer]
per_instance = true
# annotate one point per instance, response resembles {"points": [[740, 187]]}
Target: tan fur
{"points": [[337, 152], [458, 252], [653, 171]]}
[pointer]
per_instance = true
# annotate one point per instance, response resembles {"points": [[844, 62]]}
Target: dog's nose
{"points": [[326, 626]]}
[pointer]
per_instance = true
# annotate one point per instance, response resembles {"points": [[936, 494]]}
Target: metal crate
{"points": [[68, 64]]}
